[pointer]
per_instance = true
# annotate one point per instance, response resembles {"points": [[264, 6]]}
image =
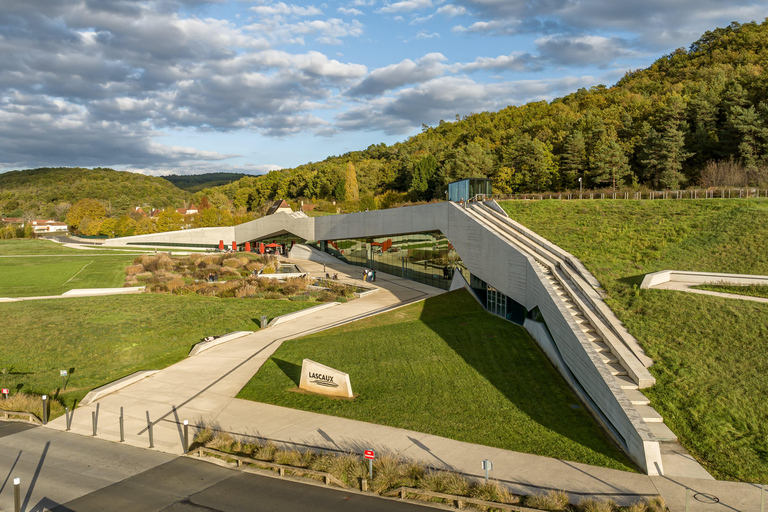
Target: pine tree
{"points": [[609, 163], [573, 162]]}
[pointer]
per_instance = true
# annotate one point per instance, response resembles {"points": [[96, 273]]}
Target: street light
{"points": [[579, 187]]}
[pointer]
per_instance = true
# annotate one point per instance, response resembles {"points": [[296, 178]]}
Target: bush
{"points": [[552, 500], [131, 270], [23, 402], [593, 505]]}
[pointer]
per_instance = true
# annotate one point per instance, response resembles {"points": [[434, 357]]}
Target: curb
{"points": [[117, 385]]}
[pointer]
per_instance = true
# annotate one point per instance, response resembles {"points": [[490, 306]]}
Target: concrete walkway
{"points": [[684, 281], [200, 389], [80, 292]]}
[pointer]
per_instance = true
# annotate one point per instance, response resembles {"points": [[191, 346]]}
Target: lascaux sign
{"points": [[318, 378]]}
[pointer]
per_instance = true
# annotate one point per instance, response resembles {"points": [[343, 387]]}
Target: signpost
{"points": [[63, 374], [370, 455], [487, 466], [5, 392]]}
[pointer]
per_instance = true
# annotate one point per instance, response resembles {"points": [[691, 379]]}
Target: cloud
{"points": [[517, 61], [405, 6], [397, 75], [351, 11], [451, 10], [283, 9], [583, 50], [444, 97]]}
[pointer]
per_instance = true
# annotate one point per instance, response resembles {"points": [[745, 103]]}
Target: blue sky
{"points": [[191, 86]]}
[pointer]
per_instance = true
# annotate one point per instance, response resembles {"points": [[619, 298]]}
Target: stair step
{"points": [[625, 382], [637, 397], [592, 338], [607, 357], [661, 432], [616, 369], [587, 328], [649, 414], [601, 347]]}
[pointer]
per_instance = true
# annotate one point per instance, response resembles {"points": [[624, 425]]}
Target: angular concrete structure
{"points": [[565, 312]]}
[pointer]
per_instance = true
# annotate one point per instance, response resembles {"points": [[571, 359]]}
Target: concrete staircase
{"points": [[582, 297]]}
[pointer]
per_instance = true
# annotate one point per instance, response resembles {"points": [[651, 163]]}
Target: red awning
{"points": [[272, 245]]}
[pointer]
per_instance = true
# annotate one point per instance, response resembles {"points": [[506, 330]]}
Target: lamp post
{"points": [[579, 188]]}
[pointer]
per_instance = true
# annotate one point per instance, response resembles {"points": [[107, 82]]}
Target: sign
{"points": [[369, 454], [318, 378], [5, 391], [63, 373], [487, 465]]}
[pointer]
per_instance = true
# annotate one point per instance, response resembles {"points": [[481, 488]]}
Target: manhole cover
{"points": [[706, 498]]}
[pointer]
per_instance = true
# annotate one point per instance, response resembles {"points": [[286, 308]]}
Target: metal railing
{"points": [[696, 193]]}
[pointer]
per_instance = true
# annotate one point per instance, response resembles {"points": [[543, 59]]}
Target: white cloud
{"points": [[283, 9], [451, 10], [405, 6], [405, 72], [350, 11]]}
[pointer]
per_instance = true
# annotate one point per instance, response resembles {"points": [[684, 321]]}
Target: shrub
{"points": [[222, 441], [265, 452], [492, 491], [593, 505], [23, 402], [132, 270], [552, 500], [655, 504]]}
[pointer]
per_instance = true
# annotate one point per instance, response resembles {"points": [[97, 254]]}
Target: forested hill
{"points": [[658, 127], [48, 192], [197, 182]]}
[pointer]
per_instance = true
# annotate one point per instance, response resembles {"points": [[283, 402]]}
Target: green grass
{"points": [[752, 290], [448, 368], [709, 352], [31, 246], [106, 338], [53, 275]]}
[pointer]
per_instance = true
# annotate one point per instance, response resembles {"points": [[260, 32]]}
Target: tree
{"points": [[754, 134], [531, 163], [573, 163], [86, 208], [169, 220], [609, 163], [422, 180], [664, 149], [351, 192]]}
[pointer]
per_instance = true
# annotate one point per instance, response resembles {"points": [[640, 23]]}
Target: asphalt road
{"points": [[65, 472]]}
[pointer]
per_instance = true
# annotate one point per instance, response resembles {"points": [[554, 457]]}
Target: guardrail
{"points": [[636, 195], [17, 415], [458, 501], [280, 468]]}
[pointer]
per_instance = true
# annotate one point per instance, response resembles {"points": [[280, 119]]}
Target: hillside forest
{"points": [[695, 117]]}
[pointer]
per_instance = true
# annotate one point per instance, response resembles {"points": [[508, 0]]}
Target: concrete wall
{"points": [[657, 278], [187, 236]]}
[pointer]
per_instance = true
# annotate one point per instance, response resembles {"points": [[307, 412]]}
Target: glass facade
{"points": [[427, 258], [467, 189]]}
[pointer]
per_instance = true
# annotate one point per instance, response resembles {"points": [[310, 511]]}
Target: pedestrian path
{"points": [[201, 390]]}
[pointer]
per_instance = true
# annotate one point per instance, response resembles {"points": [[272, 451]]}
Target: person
{"points": [[323, 268], [327, 275], [365, 275], [373, 276], [336, 277]]}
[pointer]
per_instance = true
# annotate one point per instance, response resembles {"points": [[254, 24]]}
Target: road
{"points": [[64, 472]]}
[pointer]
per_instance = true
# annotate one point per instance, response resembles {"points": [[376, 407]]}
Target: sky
{"points": [[192, 86]]}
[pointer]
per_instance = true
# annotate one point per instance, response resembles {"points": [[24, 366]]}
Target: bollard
{"points": [[69, 418], [45, 409], [17, 494], [264, 321], [364, 485], [149, 430], [93, 420], [186, 436], [122, 427], [762, 498]]}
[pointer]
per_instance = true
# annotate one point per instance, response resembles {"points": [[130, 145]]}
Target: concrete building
{"points": [[513, 272]]}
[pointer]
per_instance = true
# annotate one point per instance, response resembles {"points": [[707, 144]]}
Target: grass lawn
{"points": [[33, 246], [709, 352], [105, 338], [459, 372], [752, 290], [53, 275]]}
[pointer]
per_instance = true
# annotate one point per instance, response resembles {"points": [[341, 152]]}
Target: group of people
{"points": [[369, 275], [212, 278]]}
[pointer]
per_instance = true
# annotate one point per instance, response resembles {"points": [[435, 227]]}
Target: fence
{"points": [[708, 193]]}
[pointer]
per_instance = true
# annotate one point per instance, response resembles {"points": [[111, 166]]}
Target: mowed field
{"points": [[41, 267], [444, 367], [709, 352]]}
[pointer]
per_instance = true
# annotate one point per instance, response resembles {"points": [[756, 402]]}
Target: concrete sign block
{"points": [[318, 378]]}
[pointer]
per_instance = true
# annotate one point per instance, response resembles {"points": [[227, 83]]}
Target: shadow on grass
{"points": [[507, 357], [632, 280], [291, 370]]}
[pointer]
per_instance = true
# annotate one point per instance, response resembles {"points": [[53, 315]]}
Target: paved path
{"points": [[79, 292], [683, 286], [200, 389]]}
